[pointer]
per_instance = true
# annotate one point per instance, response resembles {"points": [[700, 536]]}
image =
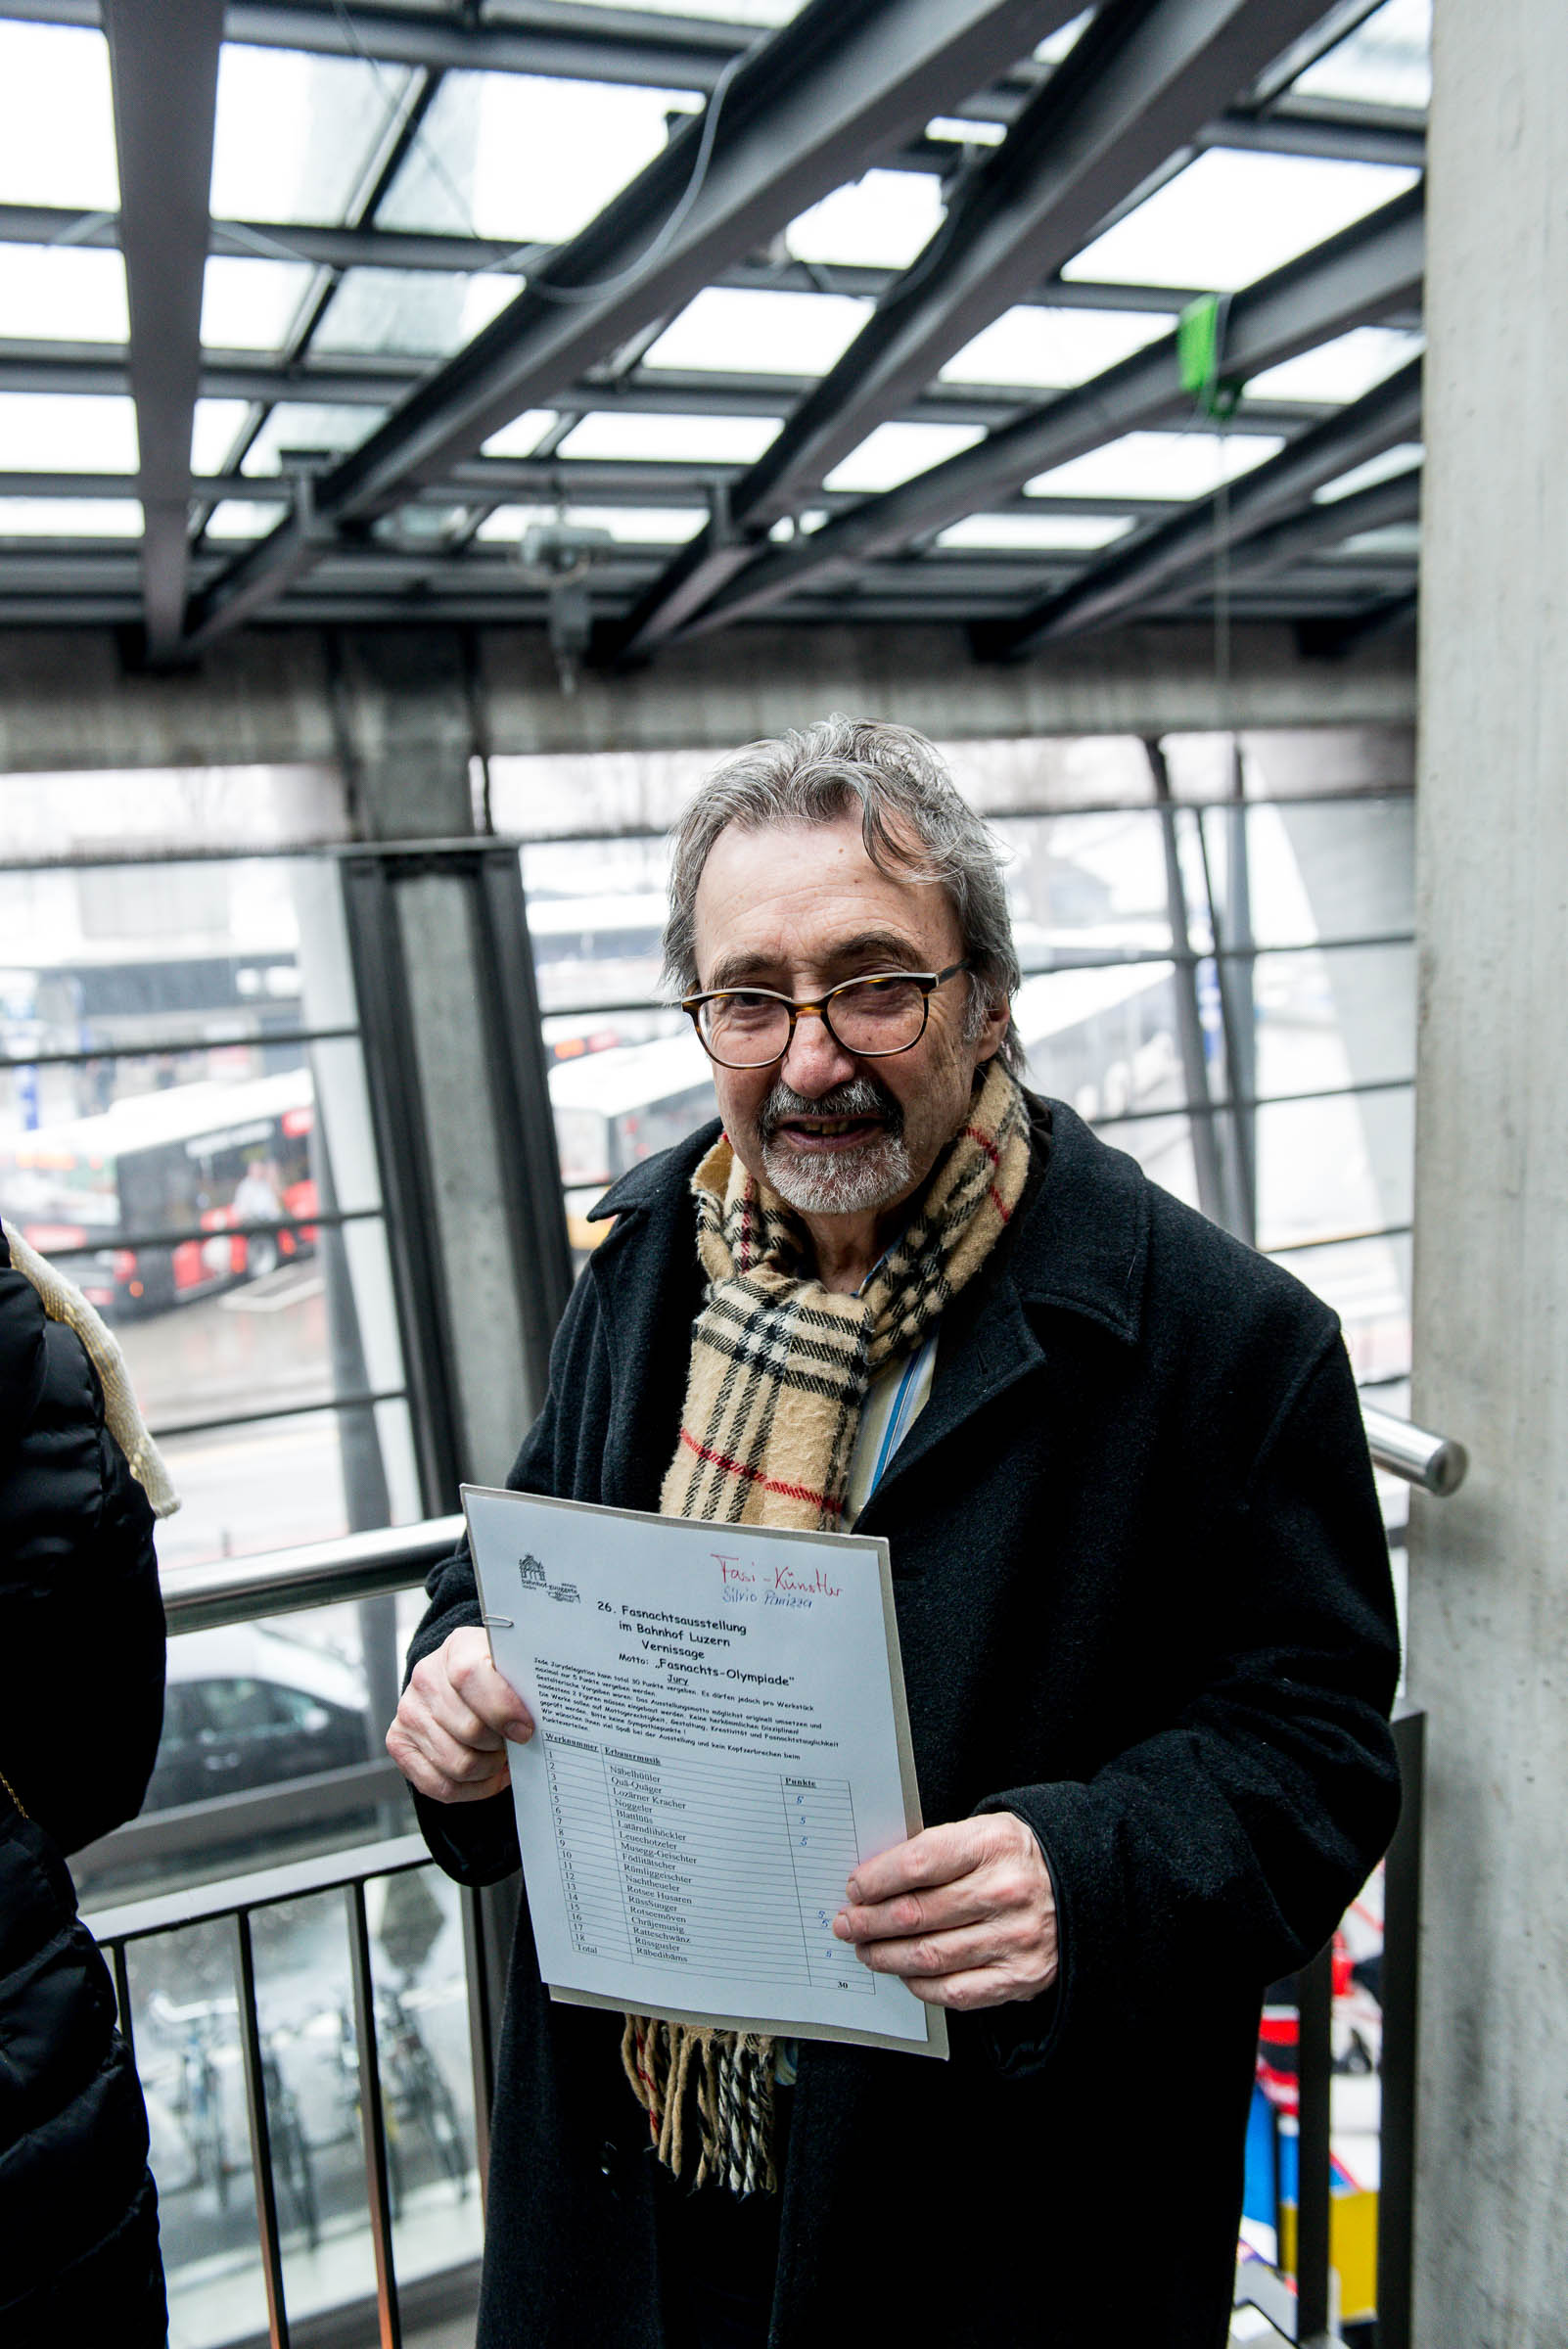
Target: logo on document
{"points": [[534, 1577]]}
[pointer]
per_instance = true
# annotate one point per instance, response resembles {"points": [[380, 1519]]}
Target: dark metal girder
{"points": [[163, 65], [1331, 638], [1300, 536], [1141, 81], [1336, 136], [1186, 546], [833, 88], [90, 369], [1349, 280]]}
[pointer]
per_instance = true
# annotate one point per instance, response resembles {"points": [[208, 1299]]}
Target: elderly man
{"points": [[1143, 1604]]}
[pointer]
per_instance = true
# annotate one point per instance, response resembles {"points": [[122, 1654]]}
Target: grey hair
{"points": [[900, 786]]}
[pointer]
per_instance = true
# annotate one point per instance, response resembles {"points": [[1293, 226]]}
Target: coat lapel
{"points": [[1079, 1246]]}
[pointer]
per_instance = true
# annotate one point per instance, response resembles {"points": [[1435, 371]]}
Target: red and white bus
{"points": [[197, 1158]]}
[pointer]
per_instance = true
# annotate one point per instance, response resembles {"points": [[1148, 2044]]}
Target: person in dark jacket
{"points": [[1143, 1606], [80, 2257]]}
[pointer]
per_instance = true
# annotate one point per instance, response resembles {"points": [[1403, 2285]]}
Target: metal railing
{"points": [[320, 1574], [279, 2153]]}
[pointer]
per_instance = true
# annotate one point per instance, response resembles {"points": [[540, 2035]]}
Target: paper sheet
{"points": [[722, 1738]]}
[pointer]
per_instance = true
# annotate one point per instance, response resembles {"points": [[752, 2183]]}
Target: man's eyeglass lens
{"points": [[871, 1017]]}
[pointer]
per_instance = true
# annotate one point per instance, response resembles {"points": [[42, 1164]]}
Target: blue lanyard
{"points": [[894, 1433]]}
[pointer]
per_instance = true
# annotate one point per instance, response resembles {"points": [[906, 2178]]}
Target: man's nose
{"points": [[815, 1060]]}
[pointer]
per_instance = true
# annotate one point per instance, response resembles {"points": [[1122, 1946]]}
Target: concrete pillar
{"points": [[447, 990], [403, 712], [1488, 1570]]}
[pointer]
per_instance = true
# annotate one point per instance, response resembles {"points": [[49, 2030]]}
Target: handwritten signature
{"points": [[776, 1581]]}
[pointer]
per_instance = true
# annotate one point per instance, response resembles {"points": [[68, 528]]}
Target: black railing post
{"points": [[373, 2119], [1313, 2180], [1398, 1989], [481, 2024], [261, 2132], [122, 1997]]}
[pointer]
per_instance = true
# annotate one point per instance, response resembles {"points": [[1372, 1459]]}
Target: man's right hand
{"points": [[455, 1722]]}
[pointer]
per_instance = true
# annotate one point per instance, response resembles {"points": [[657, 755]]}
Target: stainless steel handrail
{"points": [[1437, 1463], [281, 1582]]}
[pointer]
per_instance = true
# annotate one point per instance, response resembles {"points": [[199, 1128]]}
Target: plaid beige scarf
{"points": [[779, 1371]]}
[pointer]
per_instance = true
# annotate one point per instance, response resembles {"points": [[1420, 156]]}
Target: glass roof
{"points": [[239, 518], [737, 330], [1053, 348], [70, 517], [1385, 61], [297, 137], [879, 222], [57, 117], [1168, 465], [1397, 460], [966, 133], [67, 432], [301, 424], [250, 306], [1341, 370], [633, 526], [215, 430], [60, 293], [1232, 215], [1008, 534], [426, 314], [525, 161], [680, 440], [522, 437], [1056, 46], [515, 155], [1400, 538], [896, 452]]}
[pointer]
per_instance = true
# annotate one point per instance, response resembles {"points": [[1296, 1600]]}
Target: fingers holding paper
{"points": [[450, 1734], [963, 1913]]}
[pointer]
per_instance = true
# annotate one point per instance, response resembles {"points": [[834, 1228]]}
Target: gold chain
{"points": [[15, 1798]]}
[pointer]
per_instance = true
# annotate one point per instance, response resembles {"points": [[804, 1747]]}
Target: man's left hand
{"points": [[964, 1913]]}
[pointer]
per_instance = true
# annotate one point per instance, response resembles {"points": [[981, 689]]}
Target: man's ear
{"points": [[994, 1035]]}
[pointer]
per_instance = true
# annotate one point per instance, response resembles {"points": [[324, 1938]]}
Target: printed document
{"points": [[722, 1738]]}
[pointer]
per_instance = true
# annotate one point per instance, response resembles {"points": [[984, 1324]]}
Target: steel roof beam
{"points": [[86, 368], [806, 108], [163, 65], [1139, 83], [1186, 547], [1351, 280], [1300, 536], [1331, 638]]}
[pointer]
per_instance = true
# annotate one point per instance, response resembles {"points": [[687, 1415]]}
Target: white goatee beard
{"points": [[852, 1183]]}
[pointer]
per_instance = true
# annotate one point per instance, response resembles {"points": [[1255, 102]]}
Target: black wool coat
{"points": [[1143, 1601], [81, 1634]]}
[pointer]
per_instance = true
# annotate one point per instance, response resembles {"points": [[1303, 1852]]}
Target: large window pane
{"points": [[182, 1107], [1104, 1039], [1347, 1017], [1326, 1168]]}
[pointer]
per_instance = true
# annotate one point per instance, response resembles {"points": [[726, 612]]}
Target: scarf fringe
{"points": [[726, 2079]]}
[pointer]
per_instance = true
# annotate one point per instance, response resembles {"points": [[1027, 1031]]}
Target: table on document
{"points": [[704, 1866]]}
